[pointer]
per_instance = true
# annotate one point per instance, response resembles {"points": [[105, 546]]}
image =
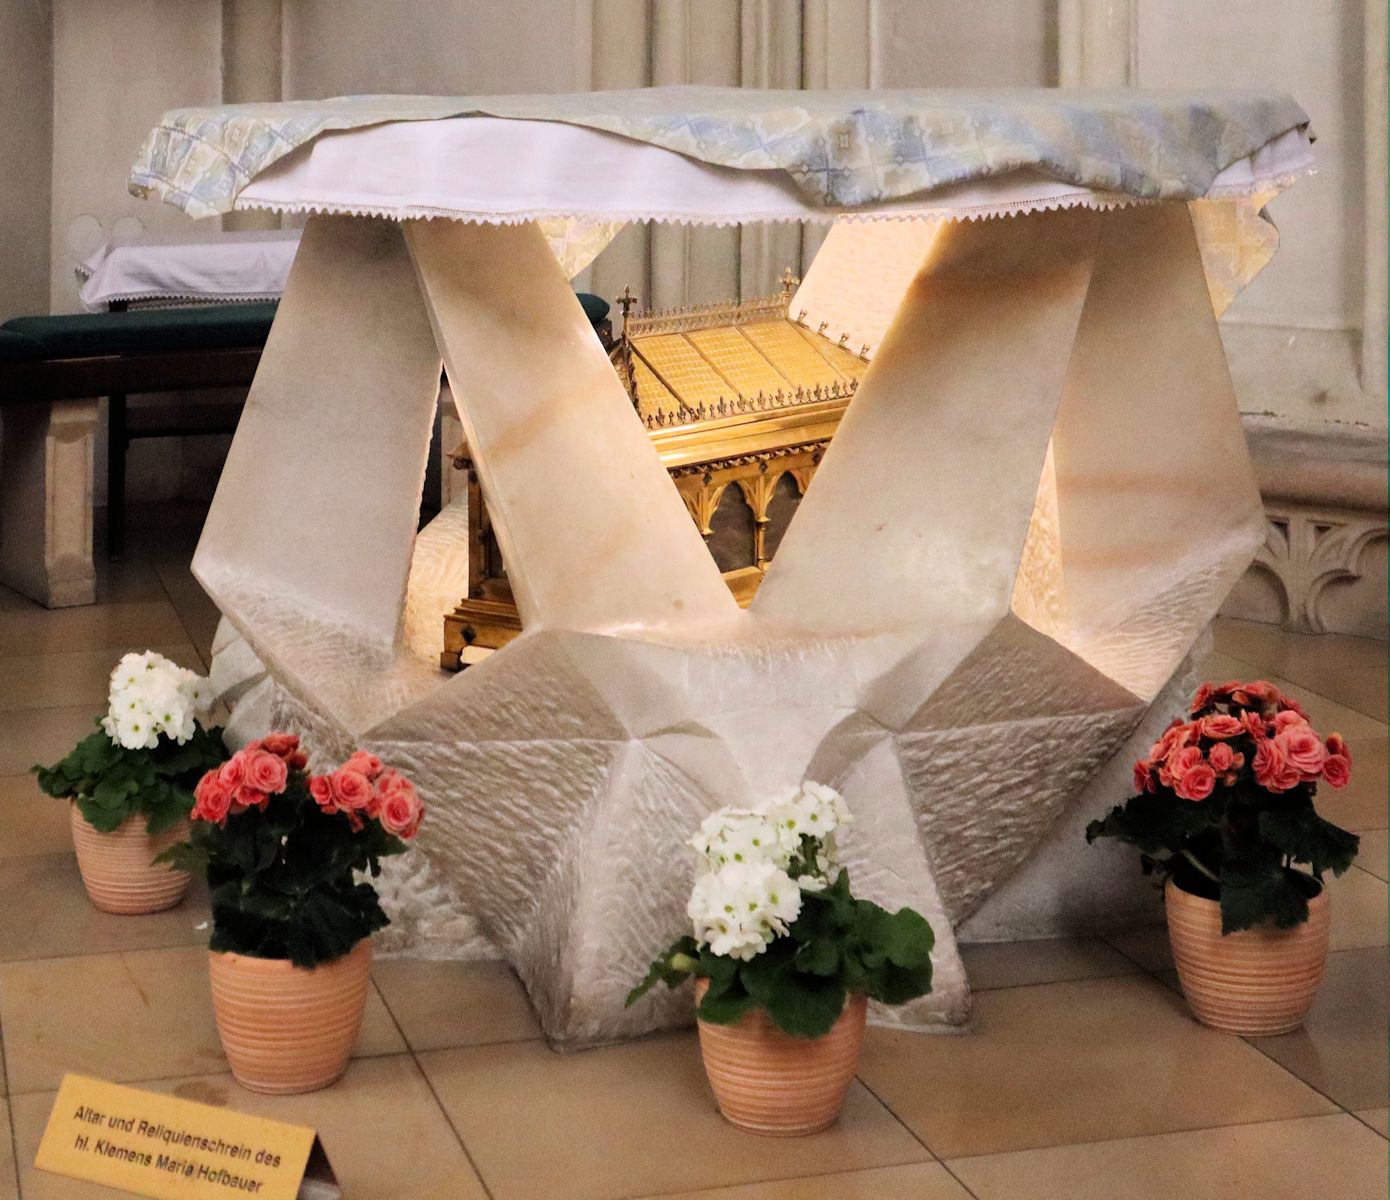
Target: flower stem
{"points": [[1196, 862]]}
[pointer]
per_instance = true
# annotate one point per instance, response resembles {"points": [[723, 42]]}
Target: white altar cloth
{"points": [[491, 169], [192, 265]]}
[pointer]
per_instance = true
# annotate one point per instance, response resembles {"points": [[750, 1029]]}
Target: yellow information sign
{"points": [[172, 1149]]}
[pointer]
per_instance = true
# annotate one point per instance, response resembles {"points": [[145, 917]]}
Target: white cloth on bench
{"points": [[211, 265]]}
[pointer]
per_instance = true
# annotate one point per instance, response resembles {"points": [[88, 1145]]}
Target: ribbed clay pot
{"points": [[116, 867], [768, 1082], [1255, 982], [288, 1029]]}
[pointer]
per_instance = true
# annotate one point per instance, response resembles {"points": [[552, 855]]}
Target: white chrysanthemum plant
{"points": [[148, 751], [776, 927]]}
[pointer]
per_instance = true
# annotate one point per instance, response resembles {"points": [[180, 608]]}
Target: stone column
{"points": [[46, 501], [1096, 43], [251, 71]]}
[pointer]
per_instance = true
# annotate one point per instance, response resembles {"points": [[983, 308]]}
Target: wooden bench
{"points": [[52, 371]]}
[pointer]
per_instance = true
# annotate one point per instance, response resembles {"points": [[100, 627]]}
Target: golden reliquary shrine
{"points": [[740, 401]]}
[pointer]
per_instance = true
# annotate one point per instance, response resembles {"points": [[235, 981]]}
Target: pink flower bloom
{"points": [[213, 799], [1256, 694], [281, 744], [246, 797], [1254, 724], [1203, 696], [351, 789], [1272, 770], [321, 789], [1287, 718], [266, 772], [368, 764], [1223, 758], [1221, 726], [1336, 744], [401, 813], [1143, 777], [233, 771], [1303, 750], [1196, 782], [1336, 769], [1184, 760], [296, 760]]}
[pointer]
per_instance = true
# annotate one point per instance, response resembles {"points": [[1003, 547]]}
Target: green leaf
{"points": [[1259, 891], [665, 970], [1306, 838], [806, 1005], [820, 957], [726, 1007], [902, 938]]}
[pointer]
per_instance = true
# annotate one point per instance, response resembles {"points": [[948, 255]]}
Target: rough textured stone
{"points": [[1031, 510]]}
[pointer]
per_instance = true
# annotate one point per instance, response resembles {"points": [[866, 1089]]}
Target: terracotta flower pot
{"points": [[289, 1029], [766, 1081], [116, 868], [1257, 981]]}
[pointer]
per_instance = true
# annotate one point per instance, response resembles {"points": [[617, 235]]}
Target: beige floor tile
{"points": [[1302, 657], [1341, 1048], [384, 1133], [98, 627], [144, 1014], [439, 1005], [1362, 688], [1148, 947], [1017, 964], [46, 914], [1316, 1158], [1361, 804], [541, 1124], [74, 678], [127, 582], [1075, 1062], [1377, 1118], [1359, 916], [9, 1177], [200, 617], [30, 822], [918, 1181], [43, 735], [1374, 851]]}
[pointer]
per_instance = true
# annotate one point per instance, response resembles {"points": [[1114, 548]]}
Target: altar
{"points": [[1034, 500]]}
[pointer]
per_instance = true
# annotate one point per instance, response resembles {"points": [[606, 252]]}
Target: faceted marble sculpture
{"points": [[1032, 508]]}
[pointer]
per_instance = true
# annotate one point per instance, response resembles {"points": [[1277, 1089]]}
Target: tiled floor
{"points": [[1084, 1078]]}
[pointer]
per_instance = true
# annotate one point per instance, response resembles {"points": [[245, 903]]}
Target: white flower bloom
{"points": [[150, 696], [738, 835], [739, 909]]}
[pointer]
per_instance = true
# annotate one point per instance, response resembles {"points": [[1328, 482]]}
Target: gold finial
{"points": [[626, 301], [789, 282]]}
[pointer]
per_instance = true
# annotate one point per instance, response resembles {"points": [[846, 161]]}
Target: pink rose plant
{"points": [[284, 850], [1224, 803]]}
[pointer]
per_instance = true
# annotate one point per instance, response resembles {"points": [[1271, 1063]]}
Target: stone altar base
{"points": [[1060, 499]]}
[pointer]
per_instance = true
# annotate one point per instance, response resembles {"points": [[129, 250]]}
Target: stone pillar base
{"points": [[46, 501]]}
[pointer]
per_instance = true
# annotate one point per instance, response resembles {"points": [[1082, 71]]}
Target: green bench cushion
{"points": [[147, 330], [15, 347], [159, 330], [595, 307]]}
